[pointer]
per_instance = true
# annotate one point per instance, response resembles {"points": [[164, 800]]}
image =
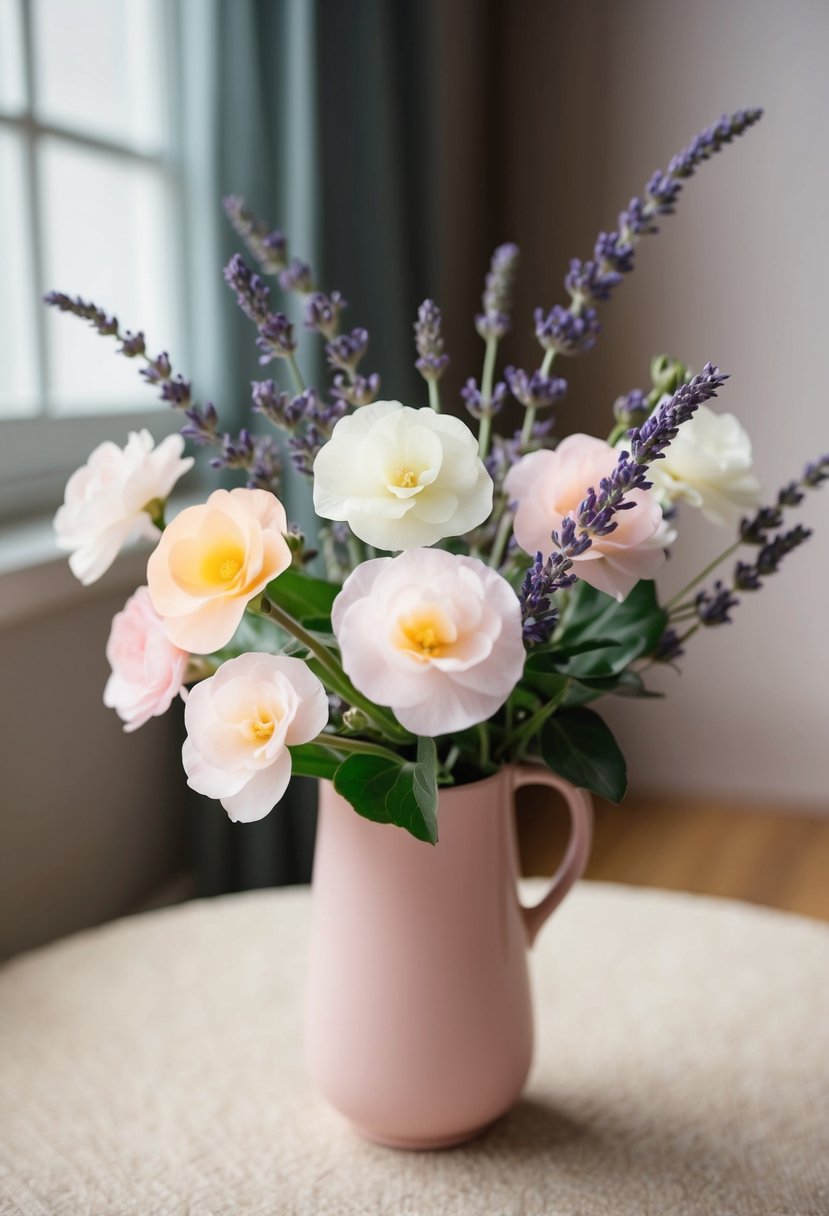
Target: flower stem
{"points": [[501, 539], [337, 678], [487, 377], [296, 374], [680, 595], [529, 415], [434, 395], [339, 743]]}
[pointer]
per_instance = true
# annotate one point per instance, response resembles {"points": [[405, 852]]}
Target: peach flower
{"points": [[105, 501], [435, 636], [548, 485], [212, 560], [147, 669], [240, 723]]}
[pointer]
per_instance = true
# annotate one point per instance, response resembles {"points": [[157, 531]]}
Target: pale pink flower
{"points": [[147, 669], [212, 560], [434, 636], [241, 722], [548, 485], [105, 500]]}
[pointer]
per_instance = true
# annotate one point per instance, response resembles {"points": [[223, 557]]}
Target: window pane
{"points": [[12, 83], [99, 68], [18, 381], [105, 226]]}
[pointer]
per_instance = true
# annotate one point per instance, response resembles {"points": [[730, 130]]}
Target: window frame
{"points": [[33, 468]]}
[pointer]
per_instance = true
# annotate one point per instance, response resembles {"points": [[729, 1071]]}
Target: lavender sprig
{"points": [[431, 360], [258, 455], [574, 330], [172, 388], [269, 248], [275, 332], [714, 607], [494, 322]]}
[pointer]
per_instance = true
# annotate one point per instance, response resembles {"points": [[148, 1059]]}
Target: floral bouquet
{"points": [[467, 596]]}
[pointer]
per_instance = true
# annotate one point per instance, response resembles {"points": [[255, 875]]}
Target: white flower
{"points": [[434, 636], [402, 477], [708, 465], [240, 723], [105, 500]]}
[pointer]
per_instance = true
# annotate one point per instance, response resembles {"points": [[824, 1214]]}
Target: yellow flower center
{"points": [[405, 478], [229, 569], [426, 633], [262, 731]]}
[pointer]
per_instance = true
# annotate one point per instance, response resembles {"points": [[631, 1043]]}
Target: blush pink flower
{"points": [[147, 669], [241, 722], [434, 636], [548, 485], [212, 560], [105, 501]]}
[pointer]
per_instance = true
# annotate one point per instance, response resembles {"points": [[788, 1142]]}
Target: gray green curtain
{"points": [[318, 115]]}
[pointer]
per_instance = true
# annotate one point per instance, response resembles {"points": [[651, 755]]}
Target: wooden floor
{"points": [[777, 859]]}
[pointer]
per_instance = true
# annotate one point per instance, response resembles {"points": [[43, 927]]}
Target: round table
{"points": [[154, 1066]]}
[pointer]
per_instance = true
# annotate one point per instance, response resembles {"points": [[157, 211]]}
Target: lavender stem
{"points": [[529, 413], [680, 595], [487, 378]]}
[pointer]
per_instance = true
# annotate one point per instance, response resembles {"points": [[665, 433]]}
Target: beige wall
{"points": [[91, 820], [598, 95]]}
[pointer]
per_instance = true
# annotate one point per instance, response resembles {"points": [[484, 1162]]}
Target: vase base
{"points": [[422, 1143]]}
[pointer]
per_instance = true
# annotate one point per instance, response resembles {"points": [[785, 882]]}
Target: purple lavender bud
{"points": [[564, 332], [790, 495], [203, 424], [746, 577], [297, 277], [772, 554], [431, 362], [346, 351], [132, 345], [543, 579], [534, 391], [269, 400], [252, 292], [322, 312], [632, 409], [362, 390], [105, 324], [817, 472], [712, 608], [269, 248], [176, 392], [476, 405], [276, 338], [586, 281], [158, 369], [494, 322], [668, 648], [753, 531]]}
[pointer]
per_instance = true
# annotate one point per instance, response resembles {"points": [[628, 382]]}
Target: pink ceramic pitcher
{"points": [[419, 1024]]}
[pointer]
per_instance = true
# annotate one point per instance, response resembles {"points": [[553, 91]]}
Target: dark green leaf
{"points": [[579, 746], [313, 760], [304, 597], [542, 675], [635, 626], [365, 782]]}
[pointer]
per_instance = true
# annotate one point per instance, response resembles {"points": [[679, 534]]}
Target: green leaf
{"points": [[625, 684], [366, 782], [542, 675], [635, 626], [579, 746], [304, 597], [312, 760]]}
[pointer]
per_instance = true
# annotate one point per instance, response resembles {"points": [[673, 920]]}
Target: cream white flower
{"points": [[402, 477], [708, 465], [434, 636], [240, 723], [105, 500]]}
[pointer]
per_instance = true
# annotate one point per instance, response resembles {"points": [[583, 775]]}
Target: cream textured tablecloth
{"points": [[154, 1066]]}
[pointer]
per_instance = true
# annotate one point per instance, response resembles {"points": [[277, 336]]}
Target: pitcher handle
{"points": [[574, 862]]}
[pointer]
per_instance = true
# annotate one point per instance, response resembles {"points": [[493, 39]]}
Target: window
{"points": [[89, 204]]}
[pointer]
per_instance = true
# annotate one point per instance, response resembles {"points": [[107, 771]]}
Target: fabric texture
{"points": [[154, 1066]]}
